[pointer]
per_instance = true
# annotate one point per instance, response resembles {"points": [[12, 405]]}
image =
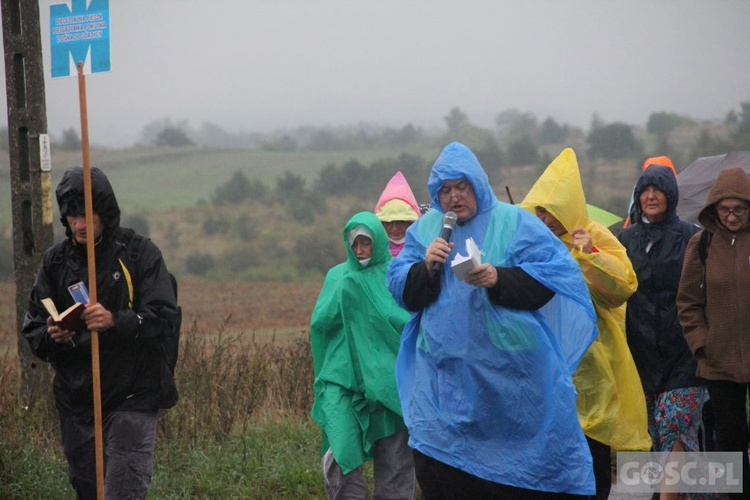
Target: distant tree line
{"points": [[519, 138], [316, 245], [350, 179]]}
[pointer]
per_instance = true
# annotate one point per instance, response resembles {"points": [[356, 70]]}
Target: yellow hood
{"points": [[560, 192]]}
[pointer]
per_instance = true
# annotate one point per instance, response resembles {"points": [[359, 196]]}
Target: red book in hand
{"points": [[70, 318]]}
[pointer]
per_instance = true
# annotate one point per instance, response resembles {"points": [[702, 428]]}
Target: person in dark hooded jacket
{"points": [[714, 308], [656, 246], [137, 317]]}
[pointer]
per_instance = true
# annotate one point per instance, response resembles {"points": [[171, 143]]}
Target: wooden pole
{"points": [[90, 253]]}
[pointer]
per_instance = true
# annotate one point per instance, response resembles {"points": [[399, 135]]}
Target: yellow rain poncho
{"points": [[611, 403]]}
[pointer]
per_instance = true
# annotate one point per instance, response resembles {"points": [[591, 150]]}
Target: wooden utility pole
{"points": [[30, 186]]}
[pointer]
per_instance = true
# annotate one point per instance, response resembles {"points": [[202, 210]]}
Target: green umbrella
{"points": [[602, 216]]}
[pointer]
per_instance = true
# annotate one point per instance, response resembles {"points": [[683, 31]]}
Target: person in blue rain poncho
{"points": [[484, 372]]}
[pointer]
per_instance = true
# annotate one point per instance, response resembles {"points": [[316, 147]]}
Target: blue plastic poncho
{"points": [[484, 388], [355, 333]]}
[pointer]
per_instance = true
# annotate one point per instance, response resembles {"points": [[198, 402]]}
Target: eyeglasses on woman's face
{"points": [[738, 210]]}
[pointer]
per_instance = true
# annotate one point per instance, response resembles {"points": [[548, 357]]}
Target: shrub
{"points": [[173, 235], [137, 223], [301, 209], [290, 185], [247, 227], [319, 251], [237, 258], [236, 190], [550, 132], [614, 141], [523, 151], [216, 224], [173, 136], [490, 155], [70, 141], [199, 263]]}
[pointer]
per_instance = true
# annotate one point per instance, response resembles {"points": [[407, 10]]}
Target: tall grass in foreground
{"points": [[240, 430]]}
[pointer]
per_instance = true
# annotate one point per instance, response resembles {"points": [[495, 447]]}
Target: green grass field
{"points": [[149, 180]]}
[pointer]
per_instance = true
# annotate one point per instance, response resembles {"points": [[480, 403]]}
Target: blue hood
{"points": [[458, 162]]}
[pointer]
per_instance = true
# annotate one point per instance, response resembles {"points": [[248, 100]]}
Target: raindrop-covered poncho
{"points": [[355, 333], [485, 388], [611, 403]]}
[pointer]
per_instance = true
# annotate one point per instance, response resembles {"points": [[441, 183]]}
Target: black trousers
{"points": [[602, 456], [728, 401], [439, 481]]}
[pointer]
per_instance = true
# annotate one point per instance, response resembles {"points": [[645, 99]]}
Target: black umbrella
{"points": [[696, 180]]}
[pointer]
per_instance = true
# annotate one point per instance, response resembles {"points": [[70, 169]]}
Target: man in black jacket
{"points": [[137, 317]]}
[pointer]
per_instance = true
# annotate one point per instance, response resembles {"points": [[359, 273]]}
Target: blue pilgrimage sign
{"points": [[79, 33]]}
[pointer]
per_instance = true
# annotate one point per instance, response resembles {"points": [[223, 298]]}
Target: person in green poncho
{"points": [[355, 334]]}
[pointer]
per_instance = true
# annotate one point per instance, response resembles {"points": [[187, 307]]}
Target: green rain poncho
{"points": [[611, 404], [355, 334]]}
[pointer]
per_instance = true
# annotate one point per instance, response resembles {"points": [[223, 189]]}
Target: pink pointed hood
{"points": [[397, 201]]}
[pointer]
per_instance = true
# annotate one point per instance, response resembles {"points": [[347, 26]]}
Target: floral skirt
{"points": [[675, 415]]}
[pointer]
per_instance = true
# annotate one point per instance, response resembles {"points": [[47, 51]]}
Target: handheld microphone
{"points": [[449, 222]]}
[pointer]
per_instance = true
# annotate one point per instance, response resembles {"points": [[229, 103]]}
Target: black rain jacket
{"points": [[134, 371], [654, 333]]}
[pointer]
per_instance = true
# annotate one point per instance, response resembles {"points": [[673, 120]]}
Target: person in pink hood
{"points": [[397, 208]]}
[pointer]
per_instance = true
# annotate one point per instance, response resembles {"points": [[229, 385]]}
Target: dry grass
{"points": [[244, 407], [254, 311]]}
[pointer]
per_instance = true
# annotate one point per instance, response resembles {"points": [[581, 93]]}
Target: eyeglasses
{"points": [[459, 190], [736, 211]]}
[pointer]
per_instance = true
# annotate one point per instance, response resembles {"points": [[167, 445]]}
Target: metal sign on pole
{"points": [[79, 38], [79, 34]]}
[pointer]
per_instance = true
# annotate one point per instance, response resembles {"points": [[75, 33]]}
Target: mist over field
{"points": [[248, 111], [255, 66]]}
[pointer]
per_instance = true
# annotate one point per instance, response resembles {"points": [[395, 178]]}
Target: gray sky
{"points": [[257, 65]]}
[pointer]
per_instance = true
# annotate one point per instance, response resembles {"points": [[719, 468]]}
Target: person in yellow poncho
{"points": [[611, 404]]}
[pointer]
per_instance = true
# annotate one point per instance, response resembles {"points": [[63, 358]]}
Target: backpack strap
{"points": [[133, 243], [129, 281], [703, 244]]}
